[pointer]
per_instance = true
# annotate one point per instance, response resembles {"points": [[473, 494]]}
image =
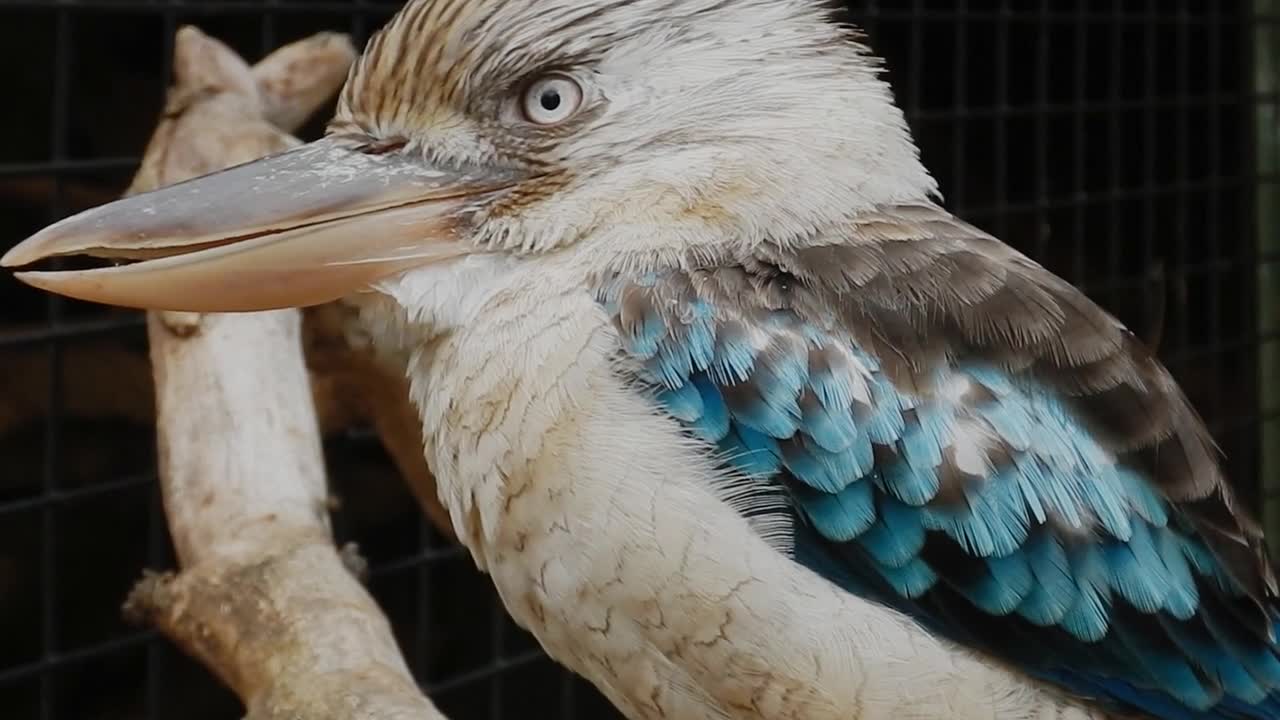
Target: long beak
{"points": [[299, 228]]}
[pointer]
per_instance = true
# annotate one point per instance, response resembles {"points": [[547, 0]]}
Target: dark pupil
{"points": [[550, 99]]}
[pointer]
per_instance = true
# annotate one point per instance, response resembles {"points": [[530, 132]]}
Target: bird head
{"points": [[598, 132]]}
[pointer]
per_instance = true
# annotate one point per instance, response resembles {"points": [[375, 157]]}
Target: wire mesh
{"points": [[1129, 145]]}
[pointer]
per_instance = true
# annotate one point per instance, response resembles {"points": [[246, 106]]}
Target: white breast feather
{"points": [[606, 536]]}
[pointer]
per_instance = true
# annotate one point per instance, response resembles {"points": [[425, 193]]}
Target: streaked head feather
{"points": [[706, 122]]}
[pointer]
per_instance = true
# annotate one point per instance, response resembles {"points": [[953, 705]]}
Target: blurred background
{"points": [[1132, 146]]}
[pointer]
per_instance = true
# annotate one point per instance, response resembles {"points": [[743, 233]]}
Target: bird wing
{"points": [[967, 438]]}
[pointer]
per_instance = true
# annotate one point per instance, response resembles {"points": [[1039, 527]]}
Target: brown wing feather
{"points": [[917, 284]]}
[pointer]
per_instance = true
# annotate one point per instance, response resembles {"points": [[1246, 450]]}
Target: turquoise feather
{"points": [[1048, 532]]}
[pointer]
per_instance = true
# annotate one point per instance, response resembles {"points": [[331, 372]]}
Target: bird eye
{"points": [[551, 99]]}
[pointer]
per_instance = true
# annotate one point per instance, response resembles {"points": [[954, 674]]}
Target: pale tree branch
{"points": [[263, 599], [104, 379]]}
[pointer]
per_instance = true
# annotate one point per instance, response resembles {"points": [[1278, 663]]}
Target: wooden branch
{"points": [[264, 599], [105, 379]]}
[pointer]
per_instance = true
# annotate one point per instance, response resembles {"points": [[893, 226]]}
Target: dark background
{"points": [[1115, 141]]}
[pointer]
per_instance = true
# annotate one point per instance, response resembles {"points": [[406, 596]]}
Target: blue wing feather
{"points": [[982, 505]]}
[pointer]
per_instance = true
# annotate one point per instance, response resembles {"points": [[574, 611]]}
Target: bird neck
{"points": [[487, 344]]}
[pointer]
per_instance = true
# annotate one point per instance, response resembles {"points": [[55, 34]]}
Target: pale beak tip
{"points": [[83, 285], [17, 256], [37, 278], [35, 248], [40, 280]]}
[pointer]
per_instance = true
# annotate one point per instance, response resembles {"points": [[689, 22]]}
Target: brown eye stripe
{"points": [[383, 146], [529, 193]]}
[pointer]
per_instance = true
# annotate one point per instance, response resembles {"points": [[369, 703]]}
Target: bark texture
{"points": [[264, 598]]}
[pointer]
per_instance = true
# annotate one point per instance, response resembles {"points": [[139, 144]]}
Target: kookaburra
{"points": [[741, 421]]}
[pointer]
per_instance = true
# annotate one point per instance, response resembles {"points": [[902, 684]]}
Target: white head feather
{"points": [[704, 123]]}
